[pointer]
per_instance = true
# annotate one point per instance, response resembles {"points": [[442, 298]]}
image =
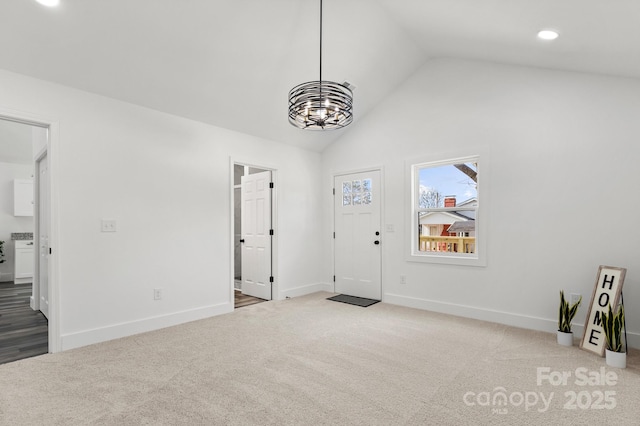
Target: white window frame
{"points": [[478, 258]]}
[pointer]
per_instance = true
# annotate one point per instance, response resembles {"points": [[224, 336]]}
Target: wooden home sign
{"points": [[607, 291]]}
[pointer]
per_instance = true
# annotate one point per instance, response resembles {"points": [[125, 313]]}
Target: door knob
{"points": [[376, 242], [377, 233], [242, 240]]}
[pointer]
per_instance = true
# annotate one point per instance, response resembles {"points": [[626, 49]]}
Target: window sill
{"points": [[447, 259]]}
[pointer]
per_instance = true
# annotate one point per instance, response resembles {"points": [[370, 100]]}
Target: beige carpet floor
{"points": [[309, 361]]}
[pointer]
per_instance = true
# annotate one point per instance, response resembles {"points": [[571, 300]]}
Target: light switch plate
{"points": [[108, 225]]}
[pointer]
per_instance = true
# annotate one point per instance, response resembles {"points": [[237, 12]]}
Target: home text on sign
{"points": [[606, 292]]}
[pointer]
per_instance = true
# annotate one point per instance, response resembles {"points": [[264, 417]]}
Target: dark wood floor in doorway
{"points": [[244, 300], [23, 331]]}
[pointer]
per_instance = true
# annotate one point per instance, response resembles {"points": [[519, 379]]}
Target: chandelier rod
{"points": [[320, 100]]}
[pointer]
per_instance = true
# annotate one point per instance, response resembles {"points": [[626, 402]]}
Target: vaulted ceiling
{"points": [[231, 63]]}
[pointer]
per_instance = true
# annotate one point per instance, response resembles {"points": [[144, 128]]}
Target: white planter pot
{"points": [[565, 339], [616, 359]]}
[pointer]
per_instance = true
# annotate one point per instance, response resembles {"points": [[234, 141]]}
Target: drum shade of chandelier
{"points": [[321, 105]]}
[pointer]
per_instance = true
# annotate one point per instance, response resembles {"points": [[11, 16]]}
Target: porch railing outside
{"points": [[448, 244]]}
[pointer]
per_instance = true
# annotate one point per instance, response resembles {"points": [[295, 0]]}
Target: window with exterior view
{"points": [[445, 206]]}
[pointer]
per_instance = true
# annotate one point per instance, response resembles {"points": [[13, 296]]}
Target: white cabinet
{"points": [[23, 197], [23, 268]]}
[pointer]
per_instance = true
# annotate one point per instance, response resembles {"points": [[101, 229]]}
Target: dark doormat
{"points": [[353, 300]]}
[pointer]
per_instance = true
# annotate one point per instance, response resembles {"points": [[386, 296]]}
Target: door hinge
{"points": [[270, 279], [334, 191], [49, 250], [334, 278], [271, 185], [334, 235], [270, 231]]}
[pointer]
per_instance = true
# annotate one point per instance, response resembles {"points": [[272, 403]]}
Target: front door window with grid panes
{"points": [[356, 192]]}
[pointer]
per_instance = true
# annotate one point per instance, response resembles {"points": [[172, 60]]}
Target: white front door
{"points": [[43, 227], [358, 235], [255, 228]]}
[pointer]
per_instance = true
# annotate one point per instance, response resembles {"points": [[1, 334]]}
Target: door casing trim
{"points": [[54, 234]]}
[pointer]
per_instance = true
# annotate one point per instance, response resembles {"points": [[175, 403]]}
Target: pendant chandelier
{"points": [[321, 105]]}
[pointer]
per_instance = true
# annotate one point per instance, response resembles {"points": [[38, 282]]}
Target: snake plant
{"points": [[566, 314], [612, 324], [1, 251]]}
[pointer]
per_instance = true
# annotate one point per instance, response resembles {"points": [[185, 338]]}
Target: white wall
{"points": [[165, 180], [561, 180], [8, 222]]}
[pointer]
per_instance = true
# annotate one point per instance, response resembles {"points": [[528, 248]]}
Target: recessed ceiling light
{"points": [[548, 34], [49, 3]]}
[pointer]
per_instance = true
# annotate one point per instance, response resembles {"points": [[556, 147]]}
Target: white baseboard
{"points": [[306, 289], [116, 331], [515, 320]]}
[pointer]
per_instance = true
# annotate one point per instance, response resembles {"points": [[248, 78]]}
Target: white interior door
{"points": [[357, 235], [255, 228], [43, 226]]}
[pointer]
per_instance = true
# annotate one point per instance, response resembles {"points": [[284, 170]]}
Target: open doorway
{"points": [[253, 233], [24, 325]]}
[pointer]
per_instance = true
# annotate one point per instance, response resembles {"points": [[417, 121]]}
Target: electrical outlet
{"points": [[157, 294], [108, 225], [403, 279], [574, 297]]}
